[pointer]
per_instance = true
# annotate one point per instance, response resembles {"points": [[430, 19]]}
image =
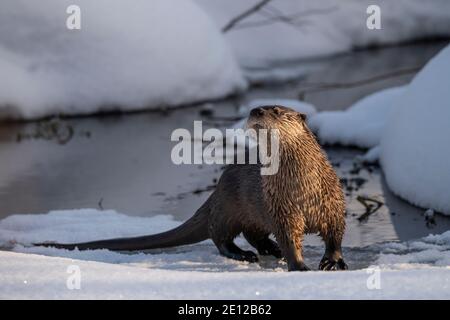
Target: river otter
{"points": [[304, 196]]}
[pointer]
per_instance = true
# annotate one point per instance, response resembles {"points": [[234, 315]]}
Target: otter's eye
{"points": [[277, 110]]}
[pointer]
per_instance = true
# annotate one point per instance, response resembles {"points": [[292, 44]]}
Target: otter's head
{"points": [[286, 120]]}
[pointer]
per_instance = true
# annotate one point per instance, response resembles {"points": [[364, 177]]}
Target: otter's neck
{"points": [[301, 159]]}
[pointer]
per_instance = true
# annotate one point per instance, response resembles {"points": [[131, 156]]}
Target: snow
{"points": [[360, 125], [324, 27], [125, 57], [299, 106], [40, 277], [414, 270], [372, 155], [433, 249], [415, 152], [77, 225], [429, 214]]}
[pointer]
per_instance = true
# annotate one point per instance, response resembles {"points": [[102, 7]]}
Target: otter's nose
{"points": [[257, 112]]}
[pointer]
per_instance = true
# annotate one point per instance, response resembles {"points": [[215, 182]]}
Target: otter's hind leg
{"points": [[223, 234], [225, 223], [262, 243], [230, 250]]}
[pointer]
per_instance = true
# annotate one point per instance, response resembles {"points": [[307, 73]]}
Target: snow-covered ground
{"points": [[408, 128], [125, 57], [40, 277], [286, 30], [418, 269]]}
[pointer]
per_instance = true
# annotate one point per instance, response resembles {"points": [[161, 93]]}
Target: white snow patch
{"points": [[360, 125], [415, 147], [78, 225], [429, 214], [372, 155], [127, 57]]}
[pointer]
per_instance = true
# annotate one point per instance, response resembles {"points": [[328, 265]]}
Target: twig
{"points": [[321, 86], [370, 208], [244, 15], [100, 204], [279, 16]]}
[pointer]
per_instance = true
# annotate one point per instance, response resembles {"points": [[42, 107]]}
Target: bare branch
{"points": [[279, 15], [274, 17], [370, 207], [322, 86], [244, 15]]}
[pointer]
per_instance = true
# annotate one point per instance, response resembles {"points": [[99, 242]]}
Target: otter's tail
{"points": [[192, 231]]}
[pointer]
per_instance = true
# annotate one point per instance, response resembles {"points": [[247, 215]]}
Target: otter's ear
{"points": [[301, 116]]}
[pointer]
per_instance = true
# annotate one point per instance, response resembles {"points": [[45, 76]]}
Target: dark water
{"points": [[122, 162]]}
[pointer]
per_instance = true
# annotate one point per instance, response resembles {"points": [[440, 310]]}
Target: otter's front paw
{"points": [[332, 265]]}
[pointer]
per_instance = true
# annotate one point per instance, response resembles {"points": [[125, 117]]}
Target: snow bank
{"points": [[412, 270], [299, 106], [415, 147], [360, 125], [126, 57], [309, 29]]}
